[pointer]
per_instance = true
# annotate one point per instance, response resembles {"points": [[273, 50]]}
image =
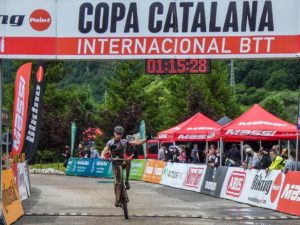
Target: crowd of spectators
{"points": [[265, 159]]}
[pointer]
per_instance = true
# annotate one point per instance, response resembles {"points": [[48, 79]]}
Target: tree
{"points": [[275, 106]]}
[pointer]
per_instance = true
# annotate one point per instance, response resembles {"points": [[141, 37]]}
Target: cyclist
{"points": [[116, 147]]}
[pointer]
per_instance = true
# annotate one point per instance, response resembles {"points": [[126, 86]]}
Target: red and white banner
{"points": [[289, 200], [237, 184], [110, 29], [20, 107], [194, 177]]}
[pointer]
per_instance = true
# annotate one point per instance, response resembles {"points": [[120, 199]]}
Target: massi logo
{"points": [[40, 20], [236, 183]]}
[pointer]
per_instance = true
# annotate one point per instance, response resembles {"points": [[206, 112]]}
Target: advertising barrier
{"points": [[289, 199], [23, 181], [89, 167], [101, 168], [14, 168], [264, 188], [149, 169], [137, 169], [213, 181], [11, 205], [237, 183], [174, 174], [158, 171], [194, 177]]}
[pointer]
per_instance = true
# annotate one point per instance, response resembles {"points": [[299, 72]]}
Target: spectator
{"points": [[234, 157], [161, 152], [212, 154], [66, 155], [195, 154], [291, 164], [182, 154], [188, 151], [87, 153], [218, 159], [251, 158], [80, 150], [264, 161], [284, 154], [278, 163], [94, 153], [169, 154], [175, 154]]}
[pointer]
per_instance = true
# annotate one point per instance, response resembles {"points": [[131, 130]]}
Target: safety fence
{"points": [[273, 190], [15, 188]]}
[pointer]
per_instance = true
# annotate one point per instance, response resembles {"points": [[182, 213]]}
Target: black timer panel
{"points": [[177, 66]]}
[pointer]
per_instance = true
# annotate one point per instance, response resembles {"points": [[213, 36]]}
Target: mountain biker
{"points": [[116, 147]]}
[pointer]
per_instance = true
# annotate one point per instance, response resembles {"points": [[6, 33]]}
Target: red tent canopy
{"points": [[256, 124], [195, 128]]}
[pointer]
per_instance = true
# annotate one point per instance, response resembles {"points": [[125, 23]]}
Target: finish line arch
{"points": [[132, 29]]}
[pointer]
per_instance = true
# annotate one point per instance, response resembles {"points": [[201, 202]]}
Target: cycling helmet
{"points": [[119, 129]]}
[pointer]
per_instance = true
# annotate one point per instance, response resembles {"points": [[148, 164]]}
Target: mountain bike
{"points": [[119, 185]]}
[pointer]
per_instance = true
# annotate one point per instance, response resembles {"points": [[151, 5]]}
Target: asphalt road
{"points": [[80, 200]]}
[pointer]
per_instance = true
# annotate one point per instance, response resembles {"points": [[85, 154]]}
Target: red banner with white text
{"points": [[91, 29], [21, 95]]}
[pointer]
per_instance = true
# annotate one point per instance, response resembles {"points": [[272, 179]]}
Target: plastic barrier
{"points": [[11, 205], [264, 188], [158, 171], [137, 169], [23, 181], [194, 177], [174, 174], [89, 167], [213, 181], [237, 183], [149, 169], [289, 198]]}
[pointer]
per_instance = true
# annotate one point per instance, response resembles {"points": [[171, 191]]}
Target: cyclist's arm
{"points": [[105, 150], [137, 142]]}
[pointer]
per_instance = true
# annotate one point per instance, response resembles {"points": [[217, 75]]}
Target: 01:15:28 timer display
{"points": [[177, 66]]}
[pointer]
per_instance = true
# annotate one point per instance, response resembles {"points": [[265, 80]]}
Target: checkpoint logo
{"points": [[40, 20], [236, 183], [276, 188]]}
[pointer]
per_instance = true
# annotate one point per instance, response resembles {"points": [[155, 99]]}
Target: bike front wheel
{"points": [[125, 209]]}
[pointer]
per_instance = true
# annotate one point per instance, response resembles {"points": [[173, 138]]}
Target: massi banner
{"points": [[21, 94], [133, 29], [34, 115]]}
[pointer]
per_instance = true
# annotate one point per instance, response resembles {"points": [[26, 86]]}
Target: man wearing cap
{"points": [[251, 158], [116, 147]]}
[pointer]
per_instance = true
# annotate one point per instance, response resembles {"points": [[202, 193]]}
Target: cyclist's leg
{"points": [[117, 185], [128, 167]]}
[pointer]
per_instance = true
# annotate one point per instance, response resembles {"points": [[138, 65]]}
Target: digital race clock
{"points": [[177, 66]]}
